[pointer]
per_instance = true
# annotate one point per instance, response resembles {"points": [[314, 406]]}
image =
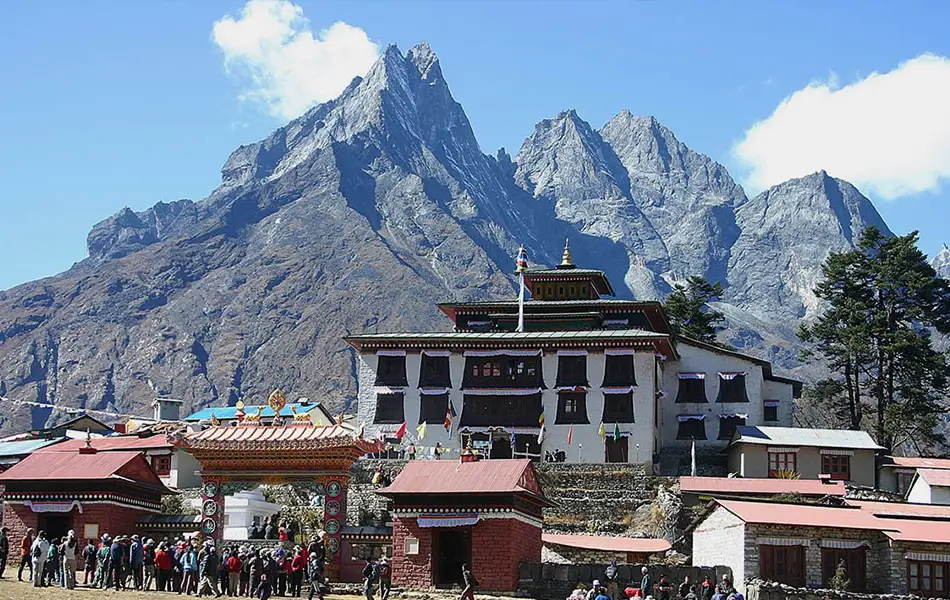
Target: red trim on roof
{"points": [[498, 476], [113, 443], [128, 467], [739, 485], [607, 543], [913, 462]]}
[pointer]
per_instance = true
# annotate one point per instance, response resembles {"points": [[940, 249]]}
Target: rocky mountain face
{"points": [[368, 209]]}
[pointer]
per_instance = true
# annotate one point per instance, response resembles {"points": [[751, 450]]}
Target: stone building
{"points": [[84, 490], [604, 376], [486, 513], [885, 548], [835, 454]]}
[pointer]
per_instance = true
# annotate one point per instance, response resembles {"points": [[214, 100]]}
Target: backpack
{"points": [[37, 551], [385, 571]]}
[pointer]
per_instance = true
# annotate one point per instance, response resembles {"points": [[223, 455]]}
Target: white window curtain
{"points": [[390, 353], [691, 375], [502, 352]]}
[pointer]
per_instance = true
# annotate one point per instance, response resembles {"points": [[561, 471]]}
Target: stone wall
{"points": [[363, 505], [556, 582], [766, 590]]}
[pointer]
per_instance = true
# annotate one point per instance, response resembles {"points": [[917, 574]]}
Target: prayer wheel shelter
{"points": [[486, 513], [85, 490]]}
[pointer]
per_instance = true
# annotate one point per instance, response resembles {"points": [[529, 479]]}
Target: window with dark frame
{"points": [[855, 565], [619, 370], [390, 409], [162, 464], [571, 408], [391, 371], [434, 372], [781, 463], [571, 371], [770, 412], [732, 388], [782, 564], [691, 429], [927, 578], [433, 408], [618, 408], [501, 410], [836, 465], [692, 390], [728, 424], [503, 372]]}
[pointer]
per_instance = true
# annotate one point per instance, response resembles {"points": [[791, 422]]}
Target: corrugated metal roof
{"points": [[752, 486], [912, 462], [552, 303], [500, 476], [22, 448], [794, 436], [935, 477], [916, 530], [515, 335], [228, 412], [903, 509], [801, 515], [68, 465], [112, 443], [607, 543]]}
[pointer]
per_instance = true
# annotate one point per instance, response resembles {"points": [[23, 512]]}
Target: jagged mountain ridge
{"points": [[385, 188]]}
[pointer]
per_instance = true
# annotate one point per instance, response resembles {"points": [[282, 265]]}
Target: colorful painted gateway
{"points": [[486, 513], [248, 453]]}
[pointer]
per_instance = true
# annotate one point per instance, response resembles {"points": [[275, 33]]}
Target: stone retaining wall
{"points": [[556, 582], [757, 589]]}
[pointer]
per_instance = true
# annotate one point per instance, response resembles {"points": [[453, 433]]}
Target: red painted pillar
{"points": [[334, 517], [212, 510]]}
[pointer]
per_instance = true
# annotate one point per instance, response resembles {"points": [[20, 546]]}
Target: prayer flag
{"points": [[541, 419], [401, 432], [616, 431], [602, 431], [421, 430], [511, 439], [541, 434], [570, 435], [521, 266]]}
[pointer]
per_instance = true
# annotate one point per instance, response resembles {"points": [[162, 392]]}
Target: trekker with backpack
{"points": [[470, 583], [369, 578], [385, 578]]}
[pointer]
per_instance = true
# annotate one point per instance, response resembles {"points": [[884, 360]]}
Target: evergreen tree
{"points": [[882, 301], [687, 308]]}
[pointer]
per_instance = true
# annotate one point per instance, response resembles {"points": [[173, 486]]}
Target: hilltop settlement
{"points": [[564, 444]]}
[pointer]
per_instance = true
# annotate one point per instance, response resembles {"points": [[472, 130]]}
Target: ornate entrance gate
{"points": [[233, 457]]}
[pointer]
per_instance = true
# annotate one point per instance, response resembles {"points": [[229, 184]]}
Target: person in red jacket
{"points": [[163, 568], [234, 574], [297, 568]]}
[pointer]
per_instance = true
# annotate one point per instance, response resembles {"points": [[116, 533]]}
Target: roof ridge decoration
{"points": [[566, 256], [276, 401], [300, 418]]}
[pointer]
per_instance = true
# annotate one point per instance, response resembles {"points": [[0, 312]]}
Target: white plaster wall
{"points": [[587, 444], [720, 540], [184, 471], [699, 360], [920, 492], [776, 390]]}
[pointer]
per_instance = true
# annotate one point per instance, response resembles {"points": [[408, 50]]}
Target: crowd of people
{"points": [[177, 566], [609, 588]]}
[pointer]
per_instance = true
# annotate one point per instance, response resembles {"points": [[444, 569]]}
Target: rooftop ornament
{"points": [[566, 256]]}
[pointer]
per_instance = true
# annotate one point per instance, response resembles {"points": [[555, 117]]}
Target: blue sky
{"points": [[112, 104]]}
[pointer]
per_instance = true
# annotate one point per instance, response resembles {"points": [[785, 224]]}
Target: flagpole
{"points": [[692, 452], [521, 303]]}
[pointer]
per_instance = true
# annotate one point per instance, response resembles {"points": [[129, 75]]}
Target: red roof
{"points": [[916, 530], [490, 476], [112, 443], [607, 543], [936, 477], [801, 515], [70, 466], [913, 462], [903, 509], [753, 486], [270, 438]]}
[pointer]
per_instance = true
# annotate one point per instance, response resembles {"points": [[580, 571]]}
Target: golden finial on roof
{"points": [[239, 413], [214, 420], [566, 257], [277, 402]]}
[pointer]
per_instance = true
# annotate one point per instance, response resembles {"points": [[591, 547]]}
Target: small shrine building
{"points": [[85, 490], [486, 513]]}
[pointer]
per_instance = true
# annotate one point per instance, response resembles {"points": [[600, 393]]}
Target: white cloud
{"points": [[272, 50], [888, 133]]}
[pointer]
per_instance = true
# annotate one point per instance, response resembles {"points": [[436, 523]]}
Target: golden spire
{"points": [[566, 257]]}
